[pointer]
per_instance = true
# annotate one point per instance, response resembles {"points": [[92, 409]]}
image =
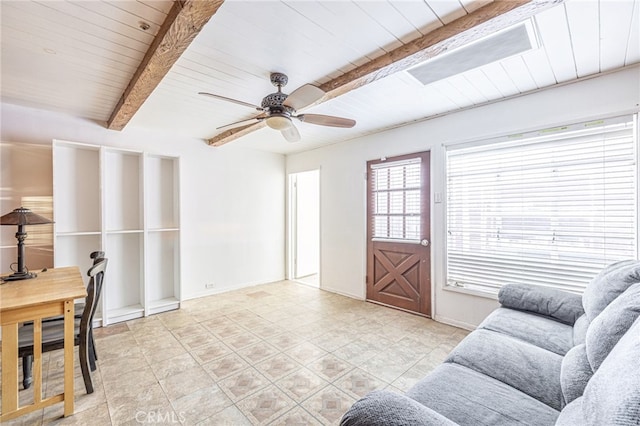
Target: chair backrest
{"points": [[94, 289], [97, 256]]}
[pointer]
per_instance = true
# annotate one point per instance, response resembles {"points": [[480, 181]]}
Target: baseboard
{"points": [[455, 323], [304, 284], [226, 289], [342, 293]]}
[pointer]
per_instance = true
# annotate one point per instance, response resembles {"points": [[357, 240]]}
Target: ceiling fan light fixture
{"points": [[279, 122]]}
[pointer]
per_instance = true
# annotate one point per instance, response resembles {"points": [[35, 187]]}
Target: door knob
{"points": [[424, 242]]}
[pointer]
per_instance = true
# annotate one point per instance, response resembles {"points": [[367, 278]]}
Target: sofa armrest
{"points": [[384, 408], [561, 305]]}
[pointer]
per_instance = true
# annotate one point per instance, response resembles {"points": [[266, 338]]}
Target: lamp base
{"points": [[19, 276]]}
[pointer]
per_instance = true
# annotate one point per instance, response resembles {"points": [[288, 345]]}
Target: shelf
{"points": [[162, 259], [162, 200], [76, 188], [76, 234], [122, 189], [125, 313], [74, 250], [162, 305], [125, 203], [124, 276]]}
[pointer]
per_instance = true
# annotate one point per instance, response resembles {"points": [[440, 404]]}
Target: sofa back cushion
{"points": [[574, 373], [612, 396], [613, 322], [580, 330], [572, 414], [611, 282]]}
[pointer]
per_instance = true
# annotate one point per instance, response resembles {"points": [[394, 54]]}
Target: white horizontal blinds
{"points": [[396, 199], [552, 208]]}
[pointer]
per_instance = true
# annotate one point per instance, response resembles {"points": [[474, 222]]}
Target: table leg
{"points": [[68, 357], [9, 367]]}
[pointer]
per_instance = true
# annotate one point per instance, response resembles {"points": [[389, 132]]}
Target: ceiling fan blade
{"points": [[242, 122], [235, 101], [291, 134], [303, 96], [326, 120]]}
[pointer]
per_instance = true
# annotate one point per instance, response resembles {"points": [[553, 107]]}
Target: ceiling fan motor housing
{"points": [[274, 100]]}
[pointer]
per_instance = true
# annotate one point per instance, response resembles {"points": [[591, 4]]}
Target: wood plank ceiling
{"points": [[183, 22], [468, 28], [74, 57], [78, 58]]}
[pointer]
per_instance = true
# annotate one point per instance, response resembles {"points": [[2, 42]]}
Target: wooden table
{"points": [[50, 294]]}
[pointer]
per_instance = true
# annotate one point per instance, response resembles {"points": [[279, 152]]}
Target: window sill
{"points": [[472, 292]]}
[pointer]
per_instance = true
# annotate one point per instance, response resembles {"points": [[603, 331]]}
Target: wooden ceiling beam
{"points": [[182, 24], [235, 133], [488, 19], [492, 17]]}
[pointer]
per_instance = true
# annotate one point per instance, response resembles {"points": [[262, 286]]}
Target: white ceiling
{"points": [[78, 57]]}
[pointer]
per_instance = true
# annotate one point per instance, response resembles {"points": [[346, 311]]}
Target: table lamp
{"points": [[21, 217]]}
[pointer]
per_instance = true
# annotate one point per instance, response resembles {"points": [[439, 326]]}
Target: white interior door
{"points": [[305, 229]]}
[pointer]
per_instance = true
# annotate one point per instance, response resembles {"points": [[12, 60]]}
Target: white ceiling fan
{"points": [[279, 108]]}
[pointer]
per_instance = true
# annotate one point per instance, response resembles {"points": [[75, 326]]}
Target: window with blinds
{"points": [[40, 235], [551, 208], [396, 200]]}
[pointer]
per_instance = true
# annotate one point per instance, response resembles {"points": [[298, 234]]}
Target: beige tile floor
{"points": [[279, 354]]}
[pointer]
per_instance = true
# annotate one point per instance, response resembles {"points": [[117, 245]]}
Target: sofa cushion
{"points": [[540, 331], [571, 415], [612, 396], [580, 330], [609, 284], [557, 304], [575, 373], [384, 408], [612, 323], [528, 368], [471, 398]]}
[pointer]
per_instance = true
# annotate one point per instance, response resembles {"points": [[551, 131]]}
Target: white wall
{"points": [[232, 200], [343, 186]]}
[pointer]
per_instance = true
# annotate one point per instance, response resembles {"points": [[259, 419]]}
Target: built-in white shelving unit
{"points": [[127, 204], [162, 204]]}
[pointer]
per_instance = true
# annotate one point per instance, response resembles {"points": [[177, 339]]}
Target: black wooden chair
{"points": [[53, 331], [97, 256]]}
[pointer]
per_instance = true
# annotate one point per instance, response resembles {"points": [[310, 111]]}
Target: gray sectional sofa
{"points": [[544, 357]]}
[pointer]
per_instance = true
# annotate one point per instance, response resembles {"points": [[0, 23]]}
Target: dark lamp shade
{"points": [[23, 216]]}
